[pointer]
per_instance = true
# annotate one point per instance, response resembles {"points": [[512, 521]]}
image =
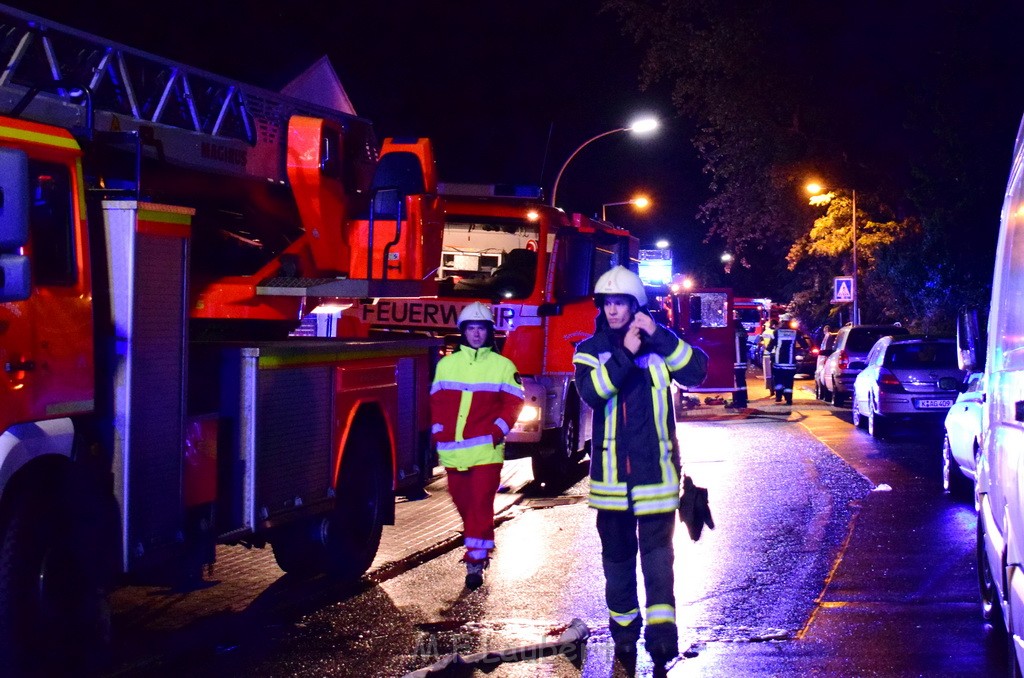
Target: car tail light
{"points": [[888, 382], [843, 360], [815, 351]]}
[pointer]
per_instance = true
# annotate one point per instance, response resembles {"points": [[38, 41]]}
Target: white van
{"points": [[1000, 486]]}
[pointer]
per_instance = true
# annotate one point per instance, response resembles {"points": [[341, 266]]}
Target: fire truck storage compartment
{"points": [[283, 407], [275, 436], [147, 250]]}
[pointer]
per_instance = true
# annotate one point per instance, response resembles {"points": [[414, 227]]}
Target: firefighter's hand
{"points": [[644, 323], [632, 340]]}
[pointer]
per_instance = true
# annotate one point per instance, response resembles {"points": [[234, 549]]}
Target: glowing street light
{"points": [[727, 260], [640, 202], [662, 244], [818, 197], [641, 126]]}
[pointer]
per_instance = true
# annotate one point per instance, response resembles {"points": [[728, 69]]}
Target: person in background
{"points": [[624, 372], [739, 396], [766, 358], [474, 401]]}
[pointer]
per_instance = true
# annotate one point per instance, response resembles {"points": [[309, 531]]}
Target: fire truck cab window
{"points": [[574, 271], [488, 258], [51, 226]]}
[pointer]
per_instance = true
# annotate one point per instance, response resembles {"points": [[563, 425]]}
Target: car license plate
{"points": [[928, 404]]}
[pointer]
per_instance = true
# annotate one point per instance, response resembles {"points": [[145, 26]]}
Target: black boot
{"points": [[662, 642], [625, 638], [475, 573]]}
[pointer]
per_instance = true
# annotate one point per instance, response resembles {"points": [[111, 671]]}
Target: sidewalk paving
{"points": [[246, 582]]}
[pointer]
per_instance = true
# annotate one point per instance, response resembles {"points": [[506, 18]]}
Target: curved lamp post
{"points": [[640, 201], [641, 126], [820, 198]]}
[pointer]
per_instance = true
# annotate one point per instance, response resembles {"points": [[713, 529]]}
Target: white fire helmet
{"points": [[476, 312], [620, 280]]}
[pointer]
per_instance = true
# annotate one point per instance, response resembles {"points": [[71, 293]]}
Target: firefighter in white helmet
{"points": [[474, 401], [623, 372]]}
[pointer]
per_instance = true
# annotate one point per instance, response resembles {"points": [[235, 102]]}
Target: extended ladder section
{"points": [[54, 74], [306, 209]]}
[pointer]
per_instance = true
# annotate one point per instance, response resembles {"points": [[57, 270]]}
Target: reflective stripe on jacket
{"points": [[635, 464], [474, 402], [783, 348]]}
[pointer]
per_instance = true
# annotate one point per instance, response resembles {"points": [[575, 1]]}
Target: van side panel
{"points": [[1001, 468]]}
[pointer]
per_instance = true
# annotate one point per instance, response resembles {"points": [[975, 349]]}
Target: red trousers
{"points": [[473, 492]]}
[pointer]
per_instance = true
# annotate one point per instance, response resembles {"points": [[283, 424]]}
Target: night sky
{"points": [[507, 90]]}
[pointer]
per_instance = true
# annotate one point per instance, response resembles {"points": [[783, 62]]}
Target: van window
{"points": [[51, 224], [1012, 277]]}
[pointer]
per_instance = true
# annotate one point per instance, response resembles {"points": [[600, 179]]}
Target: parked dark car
{"points": [[806, 355]]}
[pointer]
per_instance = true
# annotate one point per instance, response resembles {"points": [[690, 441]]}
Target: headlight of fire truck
{"points": [[529, 414], [529, 426]]}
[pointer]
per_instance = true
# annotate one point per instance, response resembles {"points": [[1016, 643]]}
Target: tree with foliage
{"points": [[830, 243], [890, 97]]}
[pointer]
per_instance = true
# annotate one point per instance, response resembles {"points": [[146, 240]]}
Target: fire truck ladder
{"points": [[60, 76], [53, 74]]}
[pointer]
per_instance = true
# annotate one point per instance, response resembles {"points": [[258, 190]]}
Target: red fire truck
{"points": [[537, 266], [753, 312], [162, 230], [704, 318]]}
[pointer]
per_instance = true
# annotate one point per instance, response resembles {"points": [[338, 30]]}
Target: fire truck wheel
{"points": [[364, 492], [344, 541], [53, 583], [556, 461]]}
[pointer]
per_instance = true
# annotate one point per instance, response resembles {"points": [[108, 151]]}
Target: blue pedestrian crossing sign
{"points": [[842, 289]]}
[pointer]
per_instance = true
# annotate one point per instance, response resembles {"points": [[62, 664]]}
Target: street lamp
{"points": [[640, 202], [727, 260], [820, 198], [662, 244], [641, 126]]}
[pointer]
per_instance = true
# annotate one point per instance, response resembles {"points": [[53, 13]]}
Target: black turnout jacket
{"points": [[635, 461]]}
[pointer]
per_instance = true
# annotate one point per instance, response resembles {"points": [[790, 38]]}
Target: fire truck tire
{"points": [[344, 541], [54, 581], [555, 462], [364, 493]]}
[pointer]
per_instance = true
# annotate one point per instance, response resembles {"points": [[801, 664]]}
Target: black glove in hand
{"points": [[694, 510]]}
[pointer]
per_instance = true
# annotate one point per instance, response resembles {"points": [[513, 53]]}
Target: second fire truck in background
{"points": [[537, 267]]}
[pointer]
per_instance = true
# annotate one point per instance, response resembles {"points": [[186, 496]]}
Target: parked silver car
{"points": [[960, 445], [847, 360], [828, 344], [906, 377]]}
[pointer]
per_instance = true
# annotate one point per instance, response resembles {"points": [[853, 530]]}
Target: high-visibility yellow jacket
{"points": [[474, 402]]}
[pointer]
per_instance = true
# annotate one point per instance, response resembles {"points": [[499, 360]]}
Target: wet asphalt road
{"points": [[815, 568]]}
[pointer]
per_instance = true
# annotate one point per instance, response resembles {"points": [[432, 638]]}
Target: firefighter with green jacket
{"points": [[474, 402], [624, 373]]}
